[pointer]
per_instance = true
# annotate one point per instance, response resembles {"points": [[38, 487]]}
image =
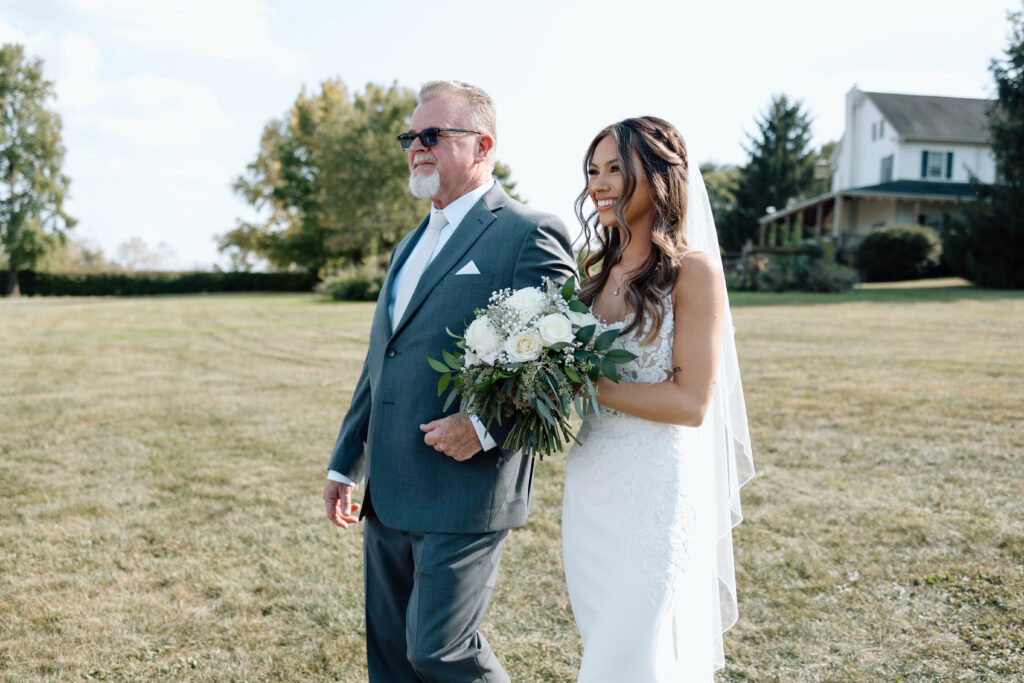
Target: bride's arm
{"points": [[698, 299]]}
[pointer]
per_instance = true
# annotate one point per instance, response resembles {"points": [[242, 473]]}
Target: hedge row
{"points": [[33, 283]]}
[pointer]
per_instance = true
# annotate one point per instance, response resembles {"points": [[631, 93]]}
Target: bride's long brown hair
{"points": [[662, 154]]}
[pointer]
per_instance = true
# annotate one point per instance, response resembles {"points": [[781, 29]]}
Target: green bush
{"points": [[34, 283], [356, 283], [806, 270], [986, 246], [899, 253]]}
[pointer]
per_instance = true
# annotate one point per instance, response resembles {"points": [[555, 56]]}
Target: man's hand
{"points": [[453, 436], [338, 501]]}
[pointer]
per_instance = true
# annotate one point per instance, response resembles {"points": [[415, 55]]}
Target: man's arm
{"points": [[349, 454]]}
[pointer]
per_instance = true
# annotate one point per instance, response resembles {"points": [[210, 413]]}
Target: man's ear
{"points": [[484, 146]]}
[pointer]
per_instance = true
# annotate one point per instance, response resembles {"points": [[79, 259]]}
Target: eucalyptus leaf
{"points": [[437, 365]]}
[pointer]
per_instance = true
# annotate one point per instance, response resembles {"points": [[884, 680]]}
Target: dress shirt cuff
{"points": [[486, 442], [340, 478]]}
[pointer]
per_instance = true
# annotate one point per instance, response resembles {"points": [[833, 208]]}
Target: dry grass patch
{"points": [[161, 461]]}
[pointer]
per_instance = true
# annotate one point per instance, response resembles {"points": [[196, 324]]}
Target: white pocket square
{"points": [[468, 269]]}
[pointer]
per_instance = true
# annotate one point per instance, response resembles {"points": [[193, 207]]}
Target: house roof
{"points": [[927, 117]]}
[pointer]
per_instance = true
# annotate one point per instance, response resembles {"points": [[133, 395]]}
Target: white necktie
{"points": [[414, 267]]}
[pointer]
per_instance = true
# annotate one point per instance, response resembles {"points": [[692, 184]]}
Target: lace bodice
{"points": [[654, 361]]}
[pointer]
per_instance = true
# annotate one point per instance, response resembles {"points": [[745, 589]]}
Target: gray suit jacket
{"points": [[415, 488]]}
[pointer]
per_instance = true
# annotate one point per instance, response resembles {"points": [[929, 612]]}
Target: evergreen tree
{"points": [[781, 167], [32, 187], [987, 246]]}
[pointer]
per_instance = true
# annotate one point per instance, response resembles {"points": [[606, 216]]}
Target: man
{"points": [[440, 494]]}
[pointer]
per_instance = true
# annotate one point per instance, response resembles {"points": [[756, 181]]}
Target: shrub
{"points": [[140, 284], [356, 283], [899, 253], [805, 270], [986, 246]]}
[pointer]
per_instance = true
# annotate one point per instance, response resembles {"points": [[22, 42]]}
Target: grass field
{"points": [[161, 462]]}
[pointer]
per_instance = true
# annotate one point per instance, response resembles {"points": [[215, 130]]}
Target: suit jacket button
{"points": [[392, 353]]}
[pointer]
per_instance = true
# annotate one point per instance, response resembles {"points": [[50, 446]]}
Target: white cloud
{"points": [[235, 30]]}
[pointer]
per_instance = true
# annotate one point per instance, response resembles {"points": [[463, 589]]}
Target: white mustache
{"points": [[424, 156]]}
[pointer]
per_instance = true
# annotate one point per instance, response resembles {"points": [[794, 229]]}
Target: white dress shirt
{"points": [[454, 213]]}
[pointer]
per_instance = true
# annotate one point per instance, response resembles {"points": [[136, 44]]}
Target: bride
{"points": [[652, 493]]}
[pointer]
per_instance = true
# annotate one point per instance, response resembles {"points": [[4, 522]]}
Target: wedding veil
{"points": [[724, 435]]}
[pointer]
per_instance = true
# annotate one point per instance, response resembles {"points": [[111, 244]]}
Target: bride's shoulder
{"points": [[697, 274]]}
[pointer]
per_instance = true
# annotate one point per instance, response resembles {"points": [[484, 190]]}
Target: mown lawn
{"points": [[161, 461]]}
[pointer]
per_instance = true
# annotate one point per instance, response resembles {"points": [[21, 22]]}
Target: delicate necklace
{"points": [[615, 292]]}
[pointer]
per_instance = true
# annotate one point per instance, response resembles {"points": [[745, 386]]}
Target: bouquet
{"points": [[530, 357]]}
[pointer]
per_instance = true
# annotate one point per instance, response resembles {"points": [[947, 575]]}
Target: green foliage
{"points": [[721, 181], [32, 187], [330, 180], [987, 245], [899, 253], [144, 284], [781, 167], [503, 174], [355, 283], [806, 269], [75, 256]]}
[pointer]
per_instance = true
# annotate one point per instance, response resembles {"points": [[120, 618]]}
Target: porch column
{"points": [[836, 216]]}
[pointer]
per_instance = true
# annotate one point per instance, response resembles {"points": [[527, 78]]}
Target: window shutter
{"points": [[924, 164], [949, 164]]}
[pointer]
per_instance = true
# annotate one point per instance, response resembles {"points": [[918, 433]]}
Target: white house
{"points": [[902, 160]]}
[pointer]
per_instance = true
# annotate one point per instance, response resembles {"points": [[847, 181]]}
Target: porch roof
{"points": [[897, 189]]}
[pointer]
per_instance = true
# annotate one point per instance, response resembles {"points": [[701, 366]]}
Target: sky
{"points": [[163, 103]]}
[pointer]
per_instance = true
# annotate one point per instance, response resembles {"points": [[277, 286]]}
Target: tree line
{"points": [[328, 181]]}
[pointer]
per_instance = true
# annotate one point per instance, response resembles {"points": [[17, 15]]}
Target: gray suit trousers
{"points": [[426, 595]]}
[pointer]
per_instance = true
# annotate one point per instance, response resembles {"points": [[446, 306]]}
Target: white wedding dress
{"points": [[638, 538]]}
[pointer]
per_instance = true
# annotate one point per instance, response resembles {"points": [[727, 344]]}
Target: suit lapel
{"points": [[469, 231]]}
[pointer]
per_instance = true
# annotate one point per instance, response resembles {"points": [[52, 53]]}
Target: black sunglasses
{"points": [[428, 136]]}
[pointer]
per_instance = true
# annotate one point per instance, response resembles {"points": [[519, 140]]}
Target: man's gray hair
{"points": [[482, 115]]}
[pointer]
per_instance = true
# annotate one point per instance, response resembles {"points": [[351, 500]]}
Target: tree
{"points": [[987, 245], [32, 187], [721, 181], [780, 168], [136, 254], [331, 181], [75, 256]]}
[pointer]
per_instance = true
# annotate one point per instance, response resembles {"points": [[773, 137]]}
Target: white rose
{"points": [[528, 302], [523, 347], [470, 359], [483, 339], [582, 319], [554, 328]]}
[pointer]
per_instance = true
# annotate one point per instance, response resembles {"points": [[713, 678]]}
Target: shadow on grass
{"points": [[914, 292]]}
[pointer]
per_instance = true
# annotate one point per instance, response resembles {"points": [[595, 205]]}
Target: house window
{"points": [[881, 128], [874, 131], [935, 164], [886, 176]]}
